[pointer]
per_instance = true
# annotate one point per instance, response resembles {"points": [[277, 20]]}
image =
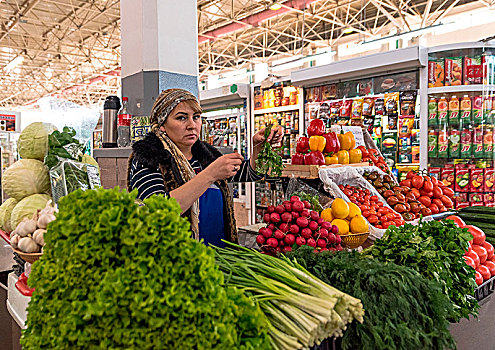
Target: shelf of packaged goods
{"points": [[461, 88], [277, 109]]}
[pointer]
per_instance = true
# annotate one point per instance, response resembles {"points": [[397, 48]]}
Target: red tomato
{"points": [[426, 201], [438, 202], [418, 181], [353, 199], [489, 249], [374, 198], [434, 180], [382, 211], [416, 193], [457, 220], [365, 207], [485, 272], [482, 253], [373, 219], [348, 193], [367, 197], [380, 204], [437, 192], [472, 254], [447, 202], [428, 186], [442, 209], [448, 192], [478, 235], [373, 212], [379, 226], [398, 223], [365, 213], [406, 183], [470, 262], [426, 212], [390, 217], [367, 191], [410, 174], [491, 267], [434, 208], [387, 224], [426, 193], [479, 278]]}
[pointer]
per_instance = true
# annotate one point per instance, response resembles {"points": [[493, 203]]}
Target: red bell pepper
{"points": [[333, 144], [314, 158], [364, 151], [302, 145], [316, 127], [373, 152], [298, 159]]}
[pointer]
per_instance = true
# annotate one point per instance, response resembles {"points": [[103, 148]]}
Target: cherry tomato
{"points": [[342, 187], [348, 193], [418, 181], [365, 207], [367, 191], [398, 223], [353, 199], [382, 211], [373, 212], [367, 197], [379, 226], [380, 204], [373, 219], [428, 186], [388, 223], [365, 213]]}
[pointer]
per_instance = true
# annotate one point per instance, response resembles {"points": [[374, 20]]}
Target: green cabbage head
{"points": [[33, 141], [27, 207], [5, 213], [26, 177]]}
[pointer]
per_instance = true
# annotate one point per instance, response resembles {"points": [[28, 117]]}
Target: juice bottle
{"points": [[466, 143], [443, 110], [465, 114], [432, 143], [453, 113], [487, 109], [432, 112], [454, 142], [477, 110], [478, 142], [443, 142], [488, 142]]}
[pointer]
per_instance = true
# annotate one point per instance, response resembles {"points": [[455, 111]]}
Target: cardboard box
{"points": [[476, 197], [461, 197], [489, 180], [473, 70], [436, 73], [453, 71], [488, 197], [462, 180], [447, 176], [435, 172], [476, 180]]}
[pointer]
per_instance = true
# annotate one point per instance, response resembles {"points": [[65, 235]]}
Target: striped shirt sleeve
{"points": [[147, 181], [245, 173]]}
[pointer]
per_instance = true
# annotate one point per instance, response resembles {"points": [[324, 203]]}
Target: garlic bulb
{"points": [[45, 219], [14, 241], [48, 209], [29, 226], [38, 236], [28, 245]]}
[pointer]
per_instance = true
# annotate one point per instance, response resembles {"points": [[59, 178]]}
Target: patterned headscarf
{"points": [[163, 106]]}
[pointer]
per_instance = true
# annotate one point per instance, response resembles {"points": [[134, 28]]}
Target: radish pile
{"points": [[293, 222]]}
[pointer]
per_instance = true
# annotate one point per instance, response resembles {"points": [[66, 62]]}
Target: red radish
{"points": [[278, 250], [307, 205], [279, 235], [287, 249], [313, 226], [335, 229], [271, 227], [294, 198], [482, 253], [332, 249], [285, 202], [279, 209], [311, 242], [275, 218], [324, 249], [331, 238], [316, 251], [260, 240], [272, 242], [266, 232], [323, 233], [326, 225], [266, 218], [288, 207], [314, 215], [297, 206], [338, 240], [306, 233], [270, 209], [321, 243], [290, 239], [284, 227], [479, 278], [305, 213], [300, 241], [339, 247], [286, 217], [320, 221], [489, 249], [302, 222], [295, 214], [294, 229], [472, 254]]}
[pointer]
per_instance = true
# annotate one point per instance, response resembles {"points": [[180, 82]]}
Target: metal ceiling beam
{"points": [[426, 13], [21, 13], [378, 5]]}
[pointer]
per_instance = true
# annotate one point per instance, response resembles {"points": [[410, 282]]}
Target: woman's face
{"points": [[183, 125]]}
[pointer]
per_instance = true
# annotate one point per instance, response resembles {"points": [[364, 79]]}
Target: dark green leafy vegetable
{"points": [[116, 275], [269, 161], [435, 249], [312, 199], [403, 309], [63, 145]]}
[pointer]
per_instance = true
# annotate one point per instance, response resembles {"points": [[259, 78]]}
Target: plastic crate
{"points": [[68, 176], [485, 289]]}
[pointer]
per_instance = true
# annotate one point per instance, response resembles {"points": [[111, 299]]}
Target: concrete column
{"points": [[159, 45]]}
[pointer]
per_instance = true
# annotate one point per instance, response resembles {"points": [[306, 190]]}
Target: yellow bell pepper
{"points": [[331, 160], [352, 138], [355, 155], [345, 141], [317, 143], [343, 156]]}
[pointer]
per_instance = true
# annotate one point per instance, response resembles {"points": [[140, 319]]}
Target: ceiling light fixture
{"points": [[275, 6], [14, 63], [348, 30]]}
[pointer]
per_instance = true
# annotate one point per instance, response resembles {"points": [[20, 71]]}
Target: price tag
{"points": [[93, 176]]}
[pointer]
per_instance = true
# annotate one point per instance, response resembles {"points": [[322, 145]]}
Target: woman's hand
{"points": [[276, 135], [225, 166]]}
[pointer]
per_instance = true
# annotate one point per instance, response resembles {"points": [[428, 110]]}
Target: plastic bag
{"points": [[298, 186]]}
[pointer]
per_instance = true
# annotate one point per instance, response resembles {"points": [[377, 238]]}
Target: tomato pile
{"points": [[480, 255], [372, 208], [293, 222], [373, 157]]}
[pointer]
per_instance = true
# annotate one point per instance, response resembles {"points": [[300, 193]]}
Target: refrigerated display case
{"points": [[10, 129], [461, 117]]}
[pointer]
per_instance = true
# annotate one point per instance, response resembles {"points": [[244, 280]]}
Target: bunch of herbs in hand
{"points": [[269, 161]]}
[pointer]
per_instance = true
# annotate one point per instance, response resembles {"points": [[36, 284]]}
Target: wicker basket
{"points": [[354, 240], [28, 257]]}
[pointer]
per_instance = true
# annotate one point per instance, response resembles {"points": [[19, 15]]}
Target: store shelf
{"points": [[277, 109], [460, 88], [461, 46]]}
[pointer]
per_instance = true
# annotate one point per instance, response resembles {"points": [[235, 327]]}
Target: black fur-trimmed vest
{"points": [[151, 153]]}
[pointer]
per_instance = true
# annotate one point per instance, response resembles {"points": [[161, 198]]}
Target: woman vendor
{"points": [[172, 161]]}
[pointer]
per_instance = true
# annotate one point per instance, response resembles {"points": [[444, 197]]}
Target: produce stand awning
{"points": [[385, 62], [226, 96]]}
